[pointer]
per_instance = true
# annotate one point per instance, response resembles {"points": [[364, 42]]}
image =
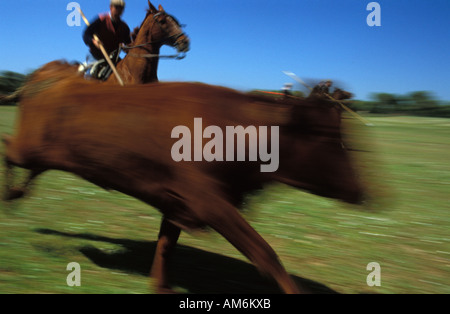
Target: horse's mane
{"points": [[138, 28], [135, 33]]}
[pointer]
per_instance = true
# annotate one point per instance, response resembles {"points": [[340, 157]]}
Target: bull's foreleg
{"points": [[167, 240], [230, 224]]}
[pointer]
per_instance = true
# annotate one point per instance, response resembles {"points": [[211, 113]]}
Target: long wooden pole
{"points": [[102, 49]]}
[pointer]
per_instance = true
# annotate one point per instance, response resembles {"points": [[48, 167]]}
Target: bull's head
{"points": [[314, 157]]}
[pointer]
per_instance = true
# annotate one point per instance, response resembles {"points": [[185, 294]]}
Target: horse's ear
{"points": [[161, 8], [152, 7]]}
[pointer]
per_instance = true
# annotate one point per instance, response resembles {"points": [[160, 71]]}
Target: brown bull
{"points": [[122, 139]]}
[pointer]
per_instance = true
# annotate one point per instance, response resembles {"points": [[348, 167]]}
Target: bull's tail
{"points": [[14, 97]]}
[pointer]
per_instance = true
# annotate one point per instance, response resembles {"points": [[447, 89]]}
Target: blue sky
{"points": [[246, 44]]}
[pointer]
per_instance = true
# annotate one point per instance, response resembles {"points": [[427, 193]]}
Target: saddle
{"points": [[100, 70]]}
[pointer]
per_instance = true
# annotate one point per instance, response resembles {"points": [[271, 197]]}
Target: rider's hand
{"points": [[96, 43]]}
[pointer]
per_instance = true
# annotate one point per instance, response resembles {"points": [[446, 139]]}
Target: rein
{"points": [[178, 56]]}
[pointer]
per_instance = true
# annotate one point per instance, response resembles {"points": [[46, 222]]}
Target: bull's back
{"points": [[95, 128]]}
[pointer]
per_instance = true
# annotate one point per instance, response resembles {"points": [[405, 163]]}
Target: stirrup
{"points": [[84, 67]]}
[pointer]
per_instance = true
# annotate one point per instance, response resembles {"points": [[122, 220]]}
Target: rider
{"points": [[110, 29], [321, 89], [287, 87]]}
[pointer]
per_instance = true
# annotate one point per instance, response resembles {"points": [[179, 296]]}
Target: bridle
{"points": [[174, 37]]}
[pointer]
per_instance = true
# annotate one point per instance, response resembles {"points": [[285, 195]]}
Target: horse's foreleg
{"points": [[167, 240]]}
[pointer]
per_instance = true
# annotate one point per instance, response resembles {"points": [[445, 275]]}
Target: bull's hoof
{"points": [[6, 139], [13, 194], [165, 290]]}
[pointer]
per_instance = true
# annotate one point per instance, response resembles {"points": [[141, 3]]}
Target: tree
{"points": [[423, 99], [386, 99], [384, 102]]}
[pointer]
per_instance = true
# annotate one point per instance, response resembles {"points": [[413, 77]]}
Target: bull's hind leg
{"points": [[167, 240], [237, 231], [19, 192], [11, 192], [12, 159]]}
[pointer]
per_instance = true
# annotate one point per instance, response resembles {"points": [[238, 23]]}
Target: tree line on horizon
{"points": [[419, 103], [414, 103]]}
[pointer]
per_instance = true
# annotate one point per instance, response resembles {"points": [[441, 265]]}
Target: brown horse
{"points": [[122, 139], [140, 65], [340, 94]]}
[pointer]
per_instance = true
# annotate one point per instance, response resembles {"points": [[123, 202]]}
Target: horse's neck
{"points": [[140, 69], [137, 69]]}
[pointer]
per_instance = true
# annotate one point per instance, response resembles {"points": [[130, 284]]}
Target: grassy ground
{"points": [[323, 243]]}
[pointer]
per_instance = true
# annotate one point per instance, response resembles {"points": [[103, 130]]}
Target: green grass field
{"points": [[324, 243]]}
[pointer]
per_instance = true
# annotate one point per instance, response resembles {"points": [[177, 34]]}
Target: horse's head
{"points": [[340, 94], [161, 28]]}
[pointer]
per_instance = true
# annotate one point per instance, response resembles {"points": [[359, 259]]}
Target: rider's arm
{"points": [[92, 29], [126, 35]]}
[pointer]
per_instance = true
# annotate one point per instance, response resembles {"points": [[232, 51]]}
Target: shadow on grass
{"points": [[195, 270]]}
